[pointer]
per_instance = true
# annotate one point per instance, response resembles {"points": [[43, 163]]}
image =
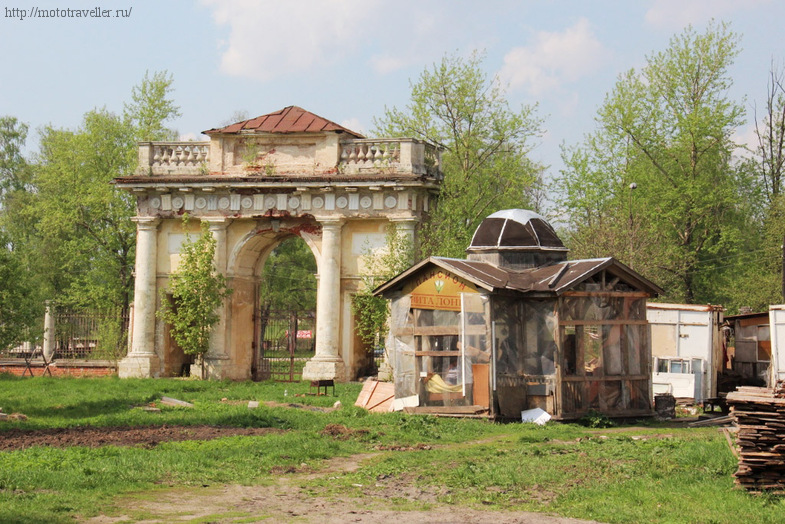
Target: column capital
{"points": [[216, 223], [146, 222], [333, 222], [404, 222]]}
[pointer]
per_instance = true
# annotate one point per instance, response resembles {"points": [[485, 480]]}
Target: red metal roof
{"points": [[290, 119]]}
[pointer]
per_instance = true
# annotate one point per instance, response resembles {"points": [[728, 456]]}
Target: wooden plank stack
{"points": [[759, 414]]}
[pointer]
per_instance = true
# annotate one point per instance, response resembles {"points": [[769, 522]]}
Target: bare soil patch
{"points": [[94, 437]]}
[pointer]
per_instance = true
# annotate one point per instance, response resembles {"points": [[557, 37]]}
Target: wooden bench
{"points": [[319, 384]]}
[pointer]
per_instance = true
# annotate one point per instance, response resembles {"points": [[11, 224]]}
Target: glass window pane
{"points": [[592, 351], [611, 341]]}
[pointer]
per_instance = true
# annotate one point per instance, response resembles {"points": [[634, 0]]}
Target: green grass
{"points": [[646, 473]]}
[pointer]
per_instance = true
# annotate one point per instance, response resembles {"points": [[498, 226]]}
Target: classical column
{"points": [[49, 332], [327, 363], [142, 360], [217, 353], [407, 230]]}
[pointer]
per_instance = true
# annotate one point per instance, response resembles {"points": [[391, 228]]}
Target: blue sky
{"points": [[347, 59]]}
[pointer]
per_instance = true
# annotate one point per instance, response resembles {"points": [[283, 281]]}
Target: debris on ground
{"points": [[169, 401]]}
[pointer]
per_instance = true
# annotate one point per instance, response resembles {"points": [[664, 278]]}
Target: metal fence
{"points": [[84, 335], [99, 335], [287, 341]]}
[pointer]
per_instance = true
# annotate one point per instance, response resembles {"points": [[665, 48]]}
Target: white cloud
{"points": [[272, 38], [187, 137], [385, 64], [554, 59], [675, 14], [354, 124], [747, 138]]}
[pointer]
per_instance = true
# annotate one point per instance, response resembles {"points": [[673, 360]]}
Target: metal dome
{"points": [[515, 229]]}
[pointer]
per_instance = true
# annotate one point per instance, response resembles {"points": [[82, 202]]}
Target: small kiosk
{"points": [[517, 326]]}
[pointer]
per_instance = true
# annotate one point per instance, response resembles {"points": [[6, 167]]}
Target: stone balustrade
{"points": [[173, 158], [389, 155], [399, 156]]}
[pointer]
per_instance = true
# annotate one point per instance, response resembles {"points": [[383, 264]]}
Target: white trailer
{"points": [[777, 335], [687, 349]]}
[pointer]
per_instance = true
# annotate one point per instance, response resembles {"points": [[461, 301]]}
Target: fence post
{"points": [[49, 332]]}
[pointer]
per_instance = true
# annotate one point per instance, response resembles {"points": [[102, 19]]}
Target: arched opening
{"points": [[285, 316]]}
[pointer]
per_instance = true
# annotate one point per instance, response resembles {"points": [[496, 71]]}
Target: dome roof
{"points": [[515, 229]]}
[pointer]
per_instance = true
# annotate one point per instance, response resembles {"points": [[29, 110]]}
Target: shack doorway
{"points": [[285, 318]]}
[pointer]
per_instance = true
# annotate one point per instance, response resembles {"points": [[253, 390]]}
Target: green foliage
{"points": [[371, 312], [668, 129], [289, 278], [595, 419], [197, 291], [19, 308], [67, 223], [151, 107], [485, 144]]}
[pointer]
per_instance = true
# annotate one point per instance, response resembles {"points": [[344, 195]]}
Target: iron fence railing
{"points": [[287, 341], [83, 334]]}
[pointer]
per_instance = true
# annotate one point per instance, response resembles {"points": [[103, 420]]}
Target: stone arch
{"points": [[312, 178], [245, 262]]}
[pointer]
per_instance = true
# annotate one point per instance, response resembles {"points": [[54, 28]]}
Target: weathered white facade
{"points": [[256, 183]]}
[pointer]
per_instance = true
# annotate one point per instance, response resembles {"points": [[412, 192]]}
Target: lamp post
{"points": [[633, 186]]}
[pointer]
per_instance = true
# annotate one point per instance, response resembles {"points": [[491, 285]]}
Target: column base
{"points": [[385, 373], [220, 368], [324, 370], [139, 366]]}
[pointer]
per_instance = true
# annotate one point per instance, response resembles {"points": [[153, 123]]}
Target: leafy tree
{"points": [[151, 107], [455, 106], [288, 284], [21, 303], [14, 170], [197, 291], [82, 218], [289, 278], [19, 309], [71, 223], [667, 129]]}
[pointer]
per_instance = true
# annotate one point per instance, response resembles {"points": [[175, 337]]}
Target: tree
{"points": [[288, 285], [667, 129], [14, 171], [197, 291], [19, 308], [151, 107], [485, 144], [71, 223]]}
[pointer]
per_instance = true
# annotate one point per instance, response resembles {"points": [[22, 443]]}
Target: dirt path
{"points": [[287, 501]]}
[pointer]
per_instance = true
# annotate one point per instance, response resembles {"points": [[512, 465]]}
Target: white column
{"points": [[144, 286], [49, 332], [327, 363], [217, 352], [407, 230], [142, 360]]}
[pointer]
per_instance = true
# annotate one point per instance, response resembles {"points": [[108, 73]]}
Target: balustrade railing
{"points": [[400, 156], [390, 155], [163, 158]]}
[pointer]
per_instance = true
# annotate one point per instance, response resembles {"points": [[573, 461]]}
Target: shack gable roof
{"points": [[554, 279], [291, 119]]}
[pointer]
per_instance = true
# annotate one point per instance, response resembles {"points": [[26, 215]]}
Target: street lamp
{"points": [[633, 186]]}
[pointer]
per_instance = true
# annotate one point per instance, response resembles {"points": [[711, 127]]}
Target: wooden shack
{"points": [[517, 326]]}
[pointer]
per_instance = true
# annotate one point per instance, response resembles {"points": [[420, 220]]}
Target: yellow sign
{"points": [[437, 289]]}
